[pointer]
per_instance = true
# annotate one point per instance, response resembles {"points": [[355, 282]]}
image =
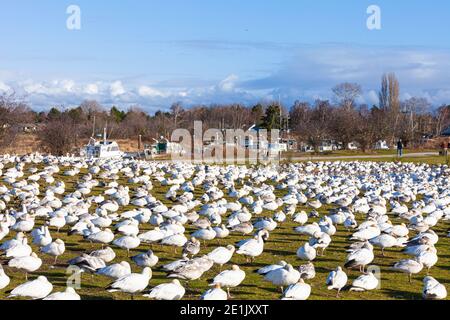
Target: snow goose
{"points": [[229, 278], [41, 237], [176, 264], [252, 247], [320, 240], [297, 291], [384, 241], [4, 279], [29, 263], [204, 234], [103, 236], [35, 289], [55, 249], [433, 290], [115, 271], [265, 270], [308, 229], [88, 263], [283, 277], [127, 242], [69, 294], [306, 252], [360, 258], [107, 254], [428, 258], [19, 250], [192, 247], [244, 228], [365, 282], [167, 291], [216, 293], [222, 255], [337, 280], [221, 231], [132, 283], [307, 271], [176, 240], [408, 266], [147, 259]]}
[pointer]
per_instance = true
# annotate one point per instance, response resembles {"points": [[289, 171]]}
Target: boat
{"points": [[102, 149]]}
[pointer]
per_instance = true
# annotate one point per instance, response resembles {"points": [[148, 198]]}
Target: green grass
{"points": [[282, 245]]}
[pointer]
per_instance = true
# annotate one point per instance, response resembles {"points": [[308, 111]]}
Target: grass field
{"points": [[282, 245]]}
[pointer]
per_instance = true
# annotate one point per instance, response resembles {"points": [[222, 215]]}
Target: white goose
{"points": [[222, 255], [28, 264], [337, 280], [55, 249], [229, 278], [115, 271], [433, 290], [297, 291], [216, 293], [35, 289], [132, 283], [167, 291], [365, 282], [283, 277], [306, 252], [4, 279], [68, 295]]}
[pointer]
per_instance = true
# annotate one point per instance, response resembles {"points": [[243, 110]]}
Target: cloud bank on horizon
{"points": [[218, 66]]}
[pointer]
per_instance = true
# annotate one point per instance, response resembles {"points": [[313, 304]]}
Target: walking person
{"points": [[399, 148]]}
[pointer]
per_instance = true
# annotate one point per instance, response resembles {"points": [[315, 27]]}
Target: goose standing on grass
{"points": [[41, 237], [222, 255], [433, 290], [408, 266], [297, 291], [69, 294], [337, 280], [384, 241], [147, 259], [283, 277], [252, 247], [428, 258], [103, 236], [127, 242], [167, 291], [306, 252], [132, 283], [365, 282], [35, 289], [229, 278], [4, 279], [115, 271], [28, 264], [216, 293], [360, 258], [55, 249]]}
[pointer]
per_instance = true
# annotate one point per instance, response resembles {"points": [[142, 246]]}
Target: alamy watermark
{"points": [[374, 20], [225, 146], [73, 22]]}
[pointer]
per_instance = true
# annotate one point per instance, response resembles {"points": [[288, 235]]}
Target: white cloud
{"points": [[4, 87], [91, 89], [228, 84], [145, 91], [117, 89]]}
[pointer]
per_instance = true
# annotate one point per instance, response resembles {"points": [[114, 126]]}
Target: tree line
{"points": [[342, 119]]}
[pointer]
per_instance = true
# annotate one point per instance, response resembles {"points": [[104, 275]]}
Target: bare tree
{"points": [[346, 94]]}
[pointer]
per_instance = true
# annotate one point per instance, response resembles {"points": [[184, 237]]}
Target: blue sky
{"points": [[153, 53]]}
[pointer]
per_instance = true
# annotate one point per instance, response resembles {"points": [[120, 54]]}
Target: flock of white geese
{"points": [[37, 209]]}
